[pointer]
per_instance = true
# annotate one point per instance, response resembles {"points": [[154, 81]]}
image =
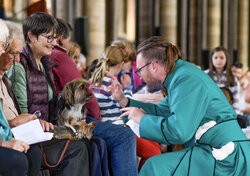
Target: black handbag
{"points": [[53, 151]]}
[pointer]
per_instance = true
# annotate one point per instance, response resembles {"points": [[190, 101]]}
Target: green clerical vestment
{"points": [[196, 112]]}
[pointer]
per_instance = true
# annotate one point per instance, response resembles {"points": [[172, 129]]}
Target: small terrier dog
{"points": [[75, 130], [71, 117]]}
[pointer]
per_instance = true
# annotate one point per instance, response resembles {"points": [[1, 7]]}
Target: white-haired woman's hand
{"points": [[16, 145]]}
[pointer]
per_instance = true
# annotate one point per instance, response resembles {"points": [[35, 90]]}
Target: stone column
{"points": [[130, 20], [225, 19], [169, 20], [80, 8], [8, 7], [96, 25], [214, 23], [144, 20], [232, 29], [183, 28], [193, 31], [62, 10], [18, 9], [243, 29], [204, 24], [109, 22]]}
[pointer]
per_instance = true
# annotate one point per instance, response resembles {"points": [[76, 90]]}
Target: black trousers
{"points": [[34, 156], [75, 161], [13, 162]]}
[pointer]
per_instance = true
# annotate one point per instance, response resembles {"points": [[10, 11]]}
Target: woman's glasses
{"points": [[5, 45], [50, 38], [13, 54]]}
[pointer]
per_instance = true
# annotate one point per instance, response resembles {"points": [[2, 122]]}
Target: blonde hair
{"points": [[127, 48], [4, 32], [73, 47], [112, 56]]}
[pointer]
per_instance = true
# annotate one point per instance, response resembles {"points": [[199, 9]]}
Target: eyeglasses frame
{"points": [[138, 72], [52, 39], [5, 45]]}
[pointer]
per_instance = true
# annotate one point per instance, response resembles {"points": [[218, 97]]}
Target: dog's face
{"points": [[76, 92]]}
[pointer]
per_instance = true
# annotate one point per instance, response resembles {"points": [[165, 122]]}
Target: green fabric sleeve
{"points": [[187, 101], [19, 87], [160, 109]]}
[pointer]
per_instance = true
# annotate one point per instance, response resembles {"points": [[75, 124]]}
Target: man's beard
{"points": [[154, 86]]}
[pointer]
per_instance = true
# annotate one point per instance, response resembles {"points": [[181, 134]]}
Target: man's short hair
{"points": [[4, 32], [159, 49], [63, 28], [39, 23], [237, 64]]}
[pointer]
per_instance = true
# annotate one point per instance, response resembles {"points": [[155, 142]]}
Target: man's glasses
{"points": [[5, 45], [138, 72], [50, 38]]}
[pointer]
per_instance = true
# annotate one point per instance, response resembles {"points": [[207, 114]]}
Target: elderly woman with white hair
{"points": [[13, 160], [4, 33]]}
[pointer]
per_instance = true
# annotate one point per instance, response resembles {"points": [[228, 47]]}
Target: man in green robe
{"points": [[194, 112]]}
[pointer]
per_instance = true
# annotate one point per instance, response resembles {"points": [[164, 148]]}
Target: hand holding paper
{"points": [[31, 132]]}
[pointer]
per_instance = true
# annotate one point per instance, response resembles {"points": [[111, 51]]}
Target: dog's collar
{"points": [[72, 131]]}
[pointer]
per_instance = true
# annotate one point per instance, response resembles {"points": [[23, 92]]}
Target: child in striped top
{"points": [[112, 60]]}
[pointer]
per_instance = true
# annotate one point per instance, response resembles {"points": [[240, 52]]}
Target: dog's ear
{"points": [[68, 93]]}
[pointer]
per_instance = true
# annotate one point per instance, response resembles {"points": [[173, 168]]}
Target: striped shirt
{"points": [[221, 81], [110, 109]]}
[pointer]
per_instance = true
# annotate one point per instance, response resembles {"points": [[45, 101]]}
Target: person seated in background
{"points": [[91, 68], [129, 67], [18, 40], [117, 138], [4, 33], [66, 69], [75, 53], [244, 89], [112, 60], [242, 120], [245, 94], [65, 72], [237, 69], [220, 71], [82, 66], [143, 94], [33, 86], [14, 161]]}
